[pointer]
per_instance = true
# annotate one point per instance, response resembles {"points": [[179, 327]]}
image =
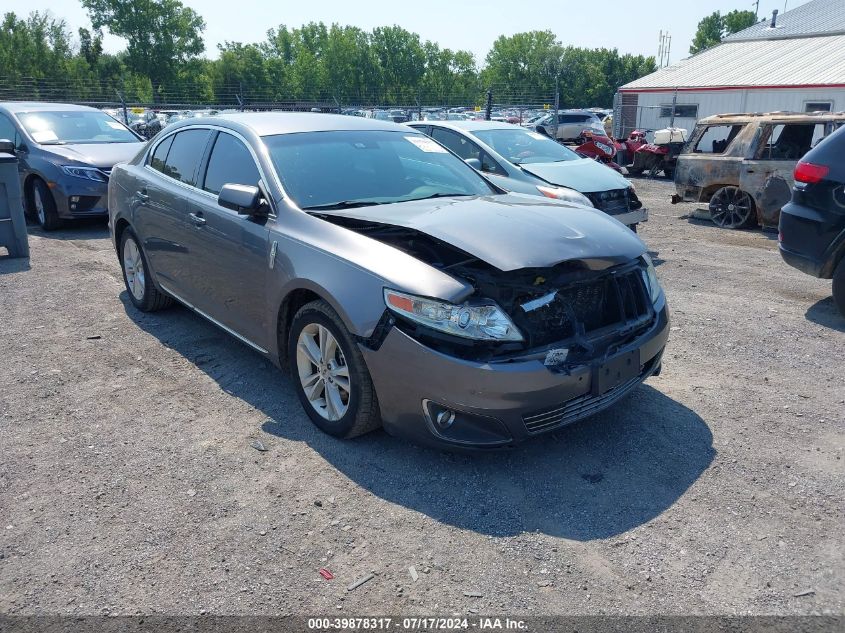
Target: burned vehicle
{"points": [[395, 283], [742, 164]]}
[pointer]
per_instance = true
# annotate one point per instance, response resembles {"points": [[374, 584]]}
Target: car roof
{"points": [[773, 117], [472, 126], [42, 106], [271, 123]]}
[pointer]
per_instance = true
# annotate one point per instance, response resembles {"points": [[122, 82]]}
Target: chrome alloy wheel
{"points": [[39, 206], [133, 267], [323, 371]]}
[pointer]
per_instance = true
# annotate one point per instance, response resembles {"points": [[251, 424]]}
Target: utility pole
{"points": [[664, 48], [557, 102], [756, 10]]}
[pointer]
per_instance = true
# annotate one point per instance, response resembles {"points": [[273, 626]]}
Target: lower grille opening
{"points": [[582, 406]]}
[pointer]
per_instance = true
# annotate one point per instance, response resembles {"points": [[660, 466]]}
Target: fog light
{"points": [[445, 418]]}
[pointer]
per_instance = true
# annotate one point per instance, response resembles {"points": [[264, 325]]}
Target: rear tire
{"points": [[839, 286], [136, 275], [325, 360], [44, 206], [732, 208]]}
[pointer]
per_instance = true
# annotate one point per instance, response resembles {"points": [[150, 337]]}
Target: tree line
{"points": [[164, 63]]}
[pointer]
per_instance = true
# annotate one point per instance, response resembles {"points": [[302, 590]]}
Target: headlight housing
{"points": [[486, 322], [564, 193], [88, 173], [650, 278]]}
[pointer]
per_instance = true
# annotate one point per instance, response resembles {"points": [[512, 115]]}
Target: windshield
{"points": [[80, 126], [521, 146], [343, 168]]}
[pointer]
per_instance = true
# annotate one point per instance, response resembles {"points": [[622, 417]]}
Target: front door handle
{"points": [[142, 195], [197, 219]]}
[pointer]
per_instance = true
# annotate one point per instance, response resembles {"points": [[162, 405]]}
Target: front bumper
{"points": [[632, 217], [80, 198], [497, 403]]}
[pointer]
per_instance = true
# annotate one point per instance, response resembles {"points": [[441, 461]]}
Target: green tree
{"points": [[737, 21], [161, 34], [716, 26]]}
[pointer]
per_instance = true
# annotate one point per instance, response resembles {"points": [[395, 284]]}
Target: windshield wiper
{"points": [[54, 143], [438, 195], [343, 204]]}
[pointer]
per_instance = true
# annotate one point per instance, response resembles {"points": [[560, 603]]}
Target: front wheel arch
{"points": [[293, 300]]}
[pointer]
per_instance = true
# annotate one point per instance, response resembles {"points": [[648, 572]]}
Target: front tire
{"points": [[329, 373], [136, 275], [44, 206], [839, 286]]}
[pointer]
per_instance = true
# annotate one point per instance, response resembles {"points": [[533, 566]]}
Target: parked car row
{"points": [[388, 266]]}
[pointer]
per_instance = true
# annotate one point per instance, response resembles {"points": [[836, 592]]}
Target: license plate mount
{"points": [[616, 371]]}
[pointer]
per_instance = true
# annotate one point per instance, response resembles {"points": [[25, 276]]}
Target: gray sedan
{"points": [[394, 283], [65, 154], [525, 161]]}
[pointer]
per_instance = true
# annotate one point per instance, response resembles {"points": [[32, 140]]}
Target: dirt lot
{"points": [[129, 482]]}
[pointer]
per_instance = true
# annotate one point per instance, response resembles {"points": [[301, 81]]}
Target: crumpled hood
{"points": [[512, 231], [103, 155], [584, 175]]}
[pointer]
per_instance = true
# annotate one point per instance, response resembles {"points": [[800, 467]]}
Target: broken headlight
{"points": [[480, 322], [651, 281], [565, 194]]}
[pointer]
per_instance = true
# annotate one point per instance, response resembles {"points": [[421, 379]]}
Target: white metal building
{"points": [[799, 66]]}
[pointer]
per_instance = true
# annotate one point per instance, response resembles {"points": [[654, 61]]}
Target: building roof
{"points": [[816, 17], [817, 61]]}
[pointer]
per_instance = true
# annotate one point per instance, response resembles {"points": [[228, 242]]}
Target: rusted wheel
{"points": [[732, 208]]}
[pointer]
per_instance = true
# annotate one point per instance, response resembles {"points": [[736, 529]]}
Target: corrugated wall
{"points": [[724, 101]]}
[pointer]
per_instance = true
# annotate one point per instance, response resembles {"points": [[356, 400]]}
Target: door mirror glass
{"points": [[474, 163], [244, 199]]}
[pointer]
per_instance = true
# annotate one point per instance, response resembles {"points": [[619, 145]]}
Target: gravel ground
{"points": [[130, 483]]}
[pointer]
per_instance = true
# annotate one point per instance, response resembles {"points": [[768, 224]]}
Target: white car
{"points": [[570, 124]]}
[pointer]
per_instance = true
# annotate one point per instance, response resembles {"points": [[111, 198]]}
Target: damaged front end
{"points": [[572, 313]]}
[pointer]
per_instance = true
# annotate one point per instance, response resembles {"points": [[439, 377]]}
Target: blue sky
{"points": [[632, 26]]}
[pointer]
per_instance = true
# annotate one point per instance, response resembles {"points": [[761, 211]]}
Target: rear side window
{"points": [[184, 155], [790, 141], [160, 154], [230, 163]]}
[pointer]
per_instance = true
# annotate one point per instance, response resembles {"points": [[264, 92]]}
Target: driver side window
{"points": [[230, 163], [465, 148]]}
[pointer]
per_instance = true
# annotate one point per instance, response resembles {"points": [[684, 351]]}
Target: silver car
{"points": [[395, 284], [522, 161]]}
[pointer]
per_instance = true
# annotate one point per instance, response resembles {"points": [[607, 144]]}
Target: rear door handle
{"points": [[197, 219], [142, 195]]}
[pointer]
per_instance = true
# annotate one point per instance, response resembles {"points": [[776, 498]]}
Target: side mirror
{"points": [[474, 163], [6, 146], [244, 199]]}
